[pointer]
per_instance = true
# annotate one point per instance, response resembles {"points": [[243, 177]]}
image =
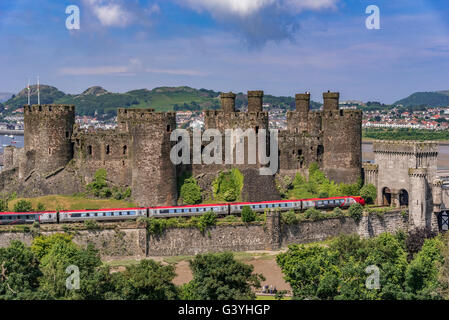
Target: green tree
{"points": [[148, 280], [221, 277], [41, 245], [23, 206], [191, 191], [356, 211], [248, 215], [369, 193], [19, 272], [94, 277]]}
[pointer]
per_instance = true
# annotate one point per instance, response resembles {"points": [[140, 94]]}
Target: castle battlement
{"points": [[405, 147], [48, 109]]}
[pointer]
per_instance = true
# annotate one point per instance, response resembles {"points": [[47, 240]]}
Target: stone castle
{"points": [[60, 158]]}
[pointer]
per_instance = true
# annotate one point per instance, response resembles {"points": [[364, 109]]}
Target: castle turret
{"points": [[297, 121], [153, 173], [330, 101], [342, 141], [302, 101], [228, 102], [418, 204], [48, 130], [255, 100]]}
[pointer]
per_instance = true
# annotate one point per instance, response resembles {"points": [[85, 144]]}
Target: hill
{"points": [[431, 99], [104, 103]]}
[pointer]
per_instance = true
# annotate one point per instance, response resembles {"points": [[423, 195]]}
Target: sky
{"points": [[280, 46]]}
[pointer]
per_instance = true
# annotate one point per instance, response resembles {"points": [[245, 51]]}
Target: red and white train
{"points": [[174, 211]]}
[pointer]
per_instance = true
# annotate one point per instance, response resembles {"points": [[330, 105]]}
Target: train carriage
{"points": [[28, 217], [185, 211], [102, 214], [236, 208]]}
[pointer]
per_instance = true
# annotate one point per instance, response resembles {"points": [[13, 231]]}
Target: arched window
{"points": [[89, 150], [125, 149], [108, 149]]}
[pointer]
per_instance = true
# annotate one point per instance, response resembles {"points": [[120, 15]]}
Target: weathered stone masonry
{"points": [[60, 158], [190, 241]]}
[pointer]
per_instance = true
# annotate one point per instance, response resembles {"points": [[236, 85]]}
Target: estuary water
{"points": [[8, 140]]}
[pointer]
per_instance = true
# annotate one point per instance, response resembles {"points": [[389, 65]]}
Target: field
{"points": [[73, 203]]}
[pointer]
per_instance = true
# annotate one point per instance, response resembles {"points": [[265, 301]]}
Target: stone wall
{"points": [[136, 242]]}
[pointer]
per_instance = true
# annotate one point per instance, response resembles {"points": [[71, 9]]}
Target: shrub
{"points": [[91, 225], [191, 191], [228, 185], [206, 220], [313, 214], [23, 206], [338, 212], [323, 195], [289, 217], [248, 215], [156, 226], [40, 207], [231, 218], [356, 211], [415, 240], [369, 193]]}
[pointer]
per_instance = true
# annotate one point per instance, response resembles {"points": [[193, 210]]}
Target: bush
{"points": [[356, 211], [228, 185], [91, 225], [206, 220], [338, 212], [369, 193], [248, 215], [289, 217], [156, 226], [313, 214], [23, 206], [191, 191], [323, 195], [40, 207]]}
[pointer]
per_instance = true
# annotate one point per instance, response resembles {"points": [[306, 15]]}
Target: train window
{"points": [[84, 215], [178, 210], [320, 203], [76, 215]]}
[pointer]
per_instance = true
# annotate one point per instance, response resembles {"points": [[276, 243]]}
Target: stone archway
{"points": [[386, 196], [403, 197]]}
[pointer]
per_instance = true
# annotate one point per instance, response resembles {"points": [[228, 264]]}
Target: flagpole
{"points": [[28, 91], [38, 92]]}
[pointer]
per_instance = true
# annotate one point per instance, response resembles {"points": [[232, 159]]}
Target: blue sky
{"points": [[280, 46]]}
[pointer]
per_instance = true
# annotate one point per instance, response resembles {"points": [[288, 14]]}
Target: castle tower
{"points": [[297, 121], [48, 130], [437, 195], [342, 141], [153, 173], [330, 101], [420, 211], [255, 100], [228, 102]]}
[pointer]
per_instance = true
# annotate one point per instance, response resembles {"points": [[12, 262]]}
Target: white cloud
{"points": [[247, 7], [100, 70]]}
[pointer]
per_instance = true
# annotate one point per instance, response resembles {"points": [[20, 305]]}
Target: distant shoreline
{"points": [[12, 132], [441, 142]]}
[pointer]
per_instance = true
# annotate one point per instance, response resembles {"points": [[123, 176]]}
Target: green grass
{"points": [[56, 202]]}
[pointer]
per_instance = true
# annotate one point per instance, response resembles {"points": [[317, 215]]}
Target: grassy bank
{"points": [[73, 203]]}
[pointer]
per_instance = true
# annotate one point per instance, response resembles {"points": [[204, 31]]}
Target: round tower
{"points": [[153, 173], [418, 210], [48, 131], [228, 102], [255, 100]]}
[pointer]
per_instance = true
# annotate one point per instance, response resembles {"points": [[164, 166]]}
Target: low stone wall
{"points": [[191, 241], [135, 241]]}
